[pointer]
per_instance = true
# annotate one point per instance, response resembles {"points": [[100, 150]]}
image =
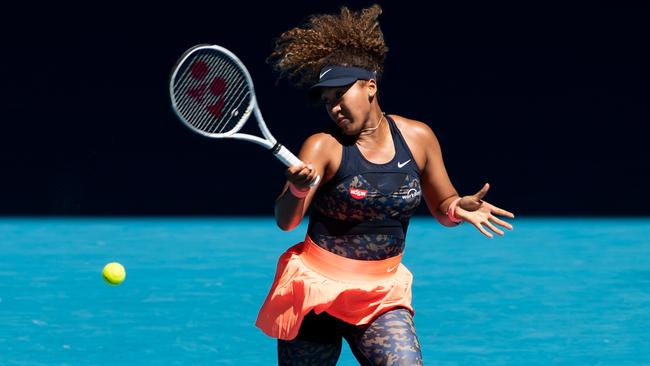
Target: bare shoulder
{"points": [[320, 142], [324, 152], [414, 131]]}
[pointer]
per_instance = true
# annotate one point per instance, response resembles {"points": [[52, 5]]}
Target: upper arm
{"points": [[319, 150], [436, 185]]}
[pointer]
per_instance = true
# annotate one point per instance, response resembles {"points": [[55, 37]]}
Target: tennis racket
{"points": [[212, 94]]}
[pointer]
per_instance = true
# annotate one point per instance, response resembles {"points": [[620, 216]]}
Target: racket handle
{"points": [[285, 156], [289, 160]]}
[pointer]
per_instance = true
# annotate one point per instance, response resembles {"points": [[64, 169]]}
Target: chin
{"points": [[347, 128]]}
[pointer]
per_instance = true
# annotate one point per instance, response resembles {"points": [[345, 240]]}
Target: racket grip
{"points": [[289, 160], [285, 156]]}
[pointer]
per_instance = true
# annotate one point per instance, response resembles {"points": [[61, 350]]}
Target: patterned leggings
{"points": [[388, 340]]}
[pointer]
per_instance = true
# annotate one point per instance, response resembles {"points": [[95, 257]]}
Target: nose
{"points": [[335, 108]]}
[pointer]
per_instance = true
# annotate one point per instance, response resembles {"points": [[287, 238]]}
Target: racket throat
{"points": [[276, 148]]}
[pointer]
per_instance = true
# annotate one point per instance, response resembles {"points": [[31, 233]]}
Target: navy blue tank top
{"points": [[364, 210]]}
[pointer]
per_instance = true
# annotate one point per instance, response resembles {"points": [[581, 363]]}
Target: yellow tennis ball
{"points": [[114, 273]]}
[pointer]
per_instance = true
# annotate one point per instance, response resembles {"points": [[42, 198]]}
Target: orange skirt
{"points": [[309, 277]]}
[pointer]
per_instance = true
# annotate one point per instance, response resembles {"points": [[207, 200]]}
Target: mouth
{"points": [[342, 120]]}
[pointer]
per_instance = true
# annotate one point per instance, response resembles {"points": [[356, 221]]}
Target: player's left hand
{"points": [[478, 212]]}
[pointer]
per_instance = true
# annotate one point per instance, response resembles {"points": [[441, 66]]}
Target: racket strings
{"points": [[203, 114], [212, 93], [229, 73], [192, 90]]}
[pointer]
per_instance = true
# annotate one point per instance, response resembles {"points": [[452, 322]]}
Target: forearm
{"points": [[289, 210], [440, 213]]}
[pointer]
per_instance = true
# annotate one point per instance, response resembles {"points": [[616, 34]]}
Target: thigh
{"points": [[318, 342], [388, 340]]}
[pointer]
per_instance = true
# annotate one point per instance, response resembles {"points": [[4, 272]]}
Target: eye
{"points": [[333, 96], [326, 101]]}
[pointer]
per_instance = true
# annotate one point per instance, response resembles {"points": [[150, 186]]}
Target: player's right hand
{"points": [[301, 175]]}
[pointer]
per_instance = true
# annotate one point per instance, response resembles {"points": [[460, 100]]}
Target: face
{"points": [[349, 106]]}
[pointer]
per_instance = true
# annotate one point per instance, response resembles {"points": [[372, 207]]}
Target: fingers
{"points": [[295, 169], [311, 176], [494, 228], [496, 210], [483, 191], [478, 219], [498, 221], [470, 203], [482, 229], [502, 212], [479, 226], [301, 175]]}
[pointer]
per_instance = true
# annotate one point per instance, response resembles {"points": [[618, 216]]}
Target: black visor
{"points": [[334, 76]]}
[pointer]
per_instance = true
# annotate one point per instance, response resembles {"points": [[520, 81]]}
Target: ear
{"points": [[371, 86]]}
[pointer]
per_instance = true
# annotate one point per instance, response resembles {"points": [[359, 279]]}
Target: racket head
{"points": [[211, 91]]}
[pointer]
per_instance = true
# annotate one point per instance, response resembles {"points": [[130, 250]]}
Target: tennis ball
{"points": [[114, 273]]}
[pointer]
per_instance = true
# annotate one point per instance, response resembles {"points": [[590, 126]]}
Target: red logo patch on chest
{"points": [[357, 193]]}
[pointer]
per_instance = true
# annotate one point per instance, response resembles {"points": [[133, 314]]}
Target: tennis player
{"points": [[346, 280]]}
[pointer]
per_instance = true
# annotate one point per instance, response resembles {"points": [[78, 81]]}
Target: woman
{"points": [[345, 280]]}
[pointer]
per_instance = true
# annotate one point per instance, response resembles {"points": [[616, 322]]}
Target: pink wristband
{"points": [[452, 210], [298, 192]]}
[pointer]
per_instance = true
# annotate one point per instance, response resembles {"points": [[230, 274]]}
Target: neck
{"points": [[371, 130], [372, 135]]}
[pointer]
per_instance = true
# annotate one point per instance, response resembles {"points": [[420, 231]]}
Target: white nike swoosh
{"points": [[391, 269], [324, 72], [399, 165]]}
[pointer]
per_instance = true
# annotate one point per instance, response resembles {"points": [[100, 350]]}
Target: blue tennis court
{"points": [[561, 291]]}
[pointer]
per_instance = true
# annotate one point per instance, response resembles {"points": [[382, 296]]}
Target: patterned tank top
{"points": [[363, 212]]}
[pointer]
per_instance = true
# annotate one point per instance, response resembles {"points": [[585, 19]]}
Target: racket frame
{"points": [[269, 142]]}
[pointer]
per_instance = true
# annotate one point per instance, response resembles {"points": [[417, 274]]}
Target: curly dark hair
{"points": [[347, 39]]}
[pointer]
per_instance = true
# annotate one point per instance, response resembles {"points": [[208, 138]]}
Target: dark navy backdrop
{"points": [[547, 103]]}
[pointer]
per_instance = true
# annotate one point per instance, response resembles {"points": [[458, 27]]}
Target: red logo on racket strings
{"points": [[357, 193], [216, 87]]}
